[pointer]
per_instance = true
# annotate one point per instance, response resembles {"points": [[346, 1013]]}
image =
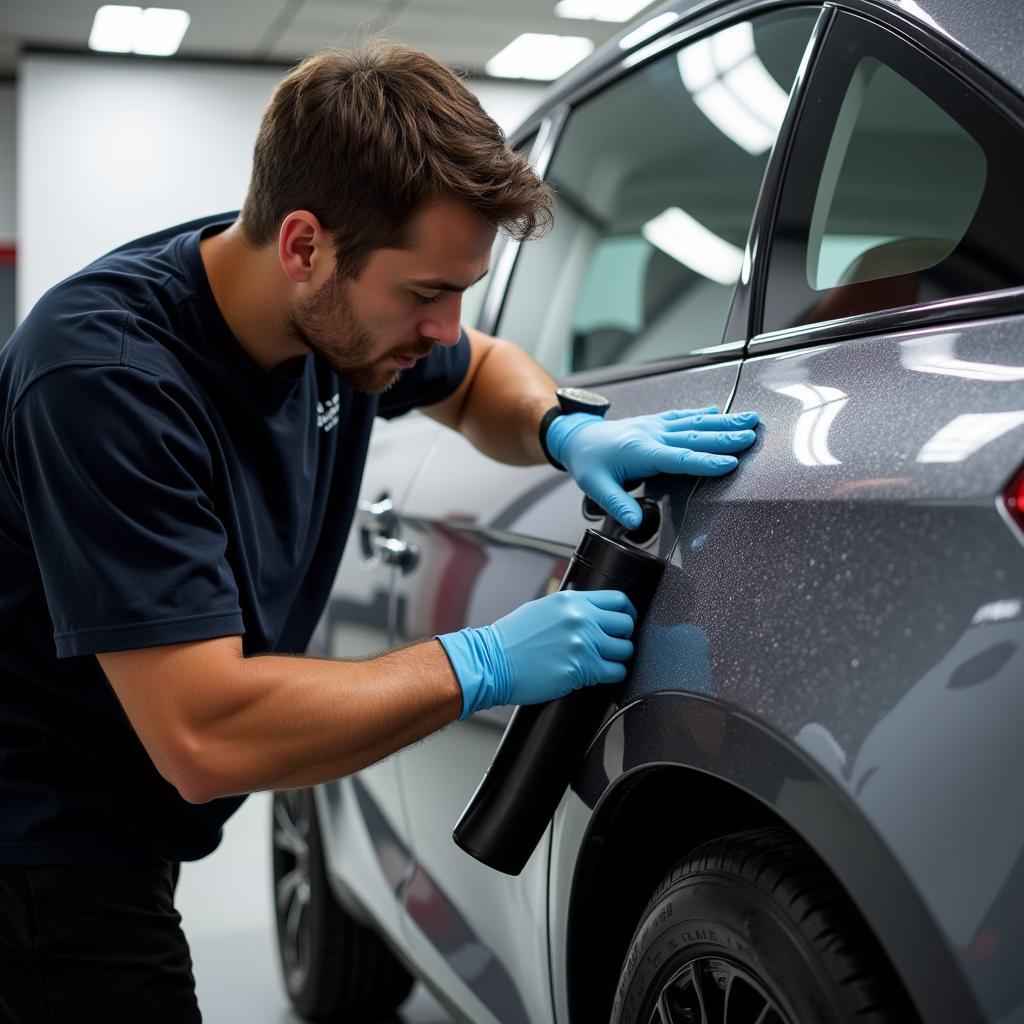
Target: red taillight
{"points": [[1013, 498]]}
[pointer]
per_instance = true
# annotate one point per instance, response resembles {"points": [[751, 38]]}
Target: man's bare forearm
{"points": [[510, 393], [286, 722], [389, 701]]}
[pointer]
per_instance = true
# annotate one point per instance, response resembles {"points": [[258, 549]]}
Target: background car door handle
{"points": [[392, 551], [378, 542], [380, 512]]}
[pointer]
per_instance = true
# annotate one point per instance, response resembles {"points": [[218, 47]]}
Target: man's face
{"points": [[402, 304]]}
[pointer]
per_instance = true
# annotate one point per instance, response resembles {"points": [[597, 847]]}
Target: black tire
{"points": [[752, 929], [334, 968]]}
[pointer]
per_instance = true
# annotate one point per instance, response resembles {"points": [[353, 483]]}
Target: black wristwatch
{"points": [[570, 400]]}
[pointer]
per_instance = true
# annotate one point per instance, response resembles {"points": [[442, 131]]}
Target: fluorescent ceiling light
{"points": [[161, 31], [113, 28], [733, 89], [600, 10], [648, 29], [155, 31], [538, 56], [688, 241]]}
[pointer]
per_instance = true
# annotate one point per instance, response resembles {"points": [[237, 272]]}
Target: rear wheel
{"points": [[334, 968], [752, 929]]}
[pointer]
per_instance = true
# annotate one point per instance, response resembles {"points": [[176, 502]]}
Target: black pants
{"points": [[93, 944]]}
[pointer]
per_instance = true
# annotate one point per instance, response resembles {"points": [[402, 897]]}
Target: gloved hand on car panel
{"points": [[601, 455], [544, 649]]}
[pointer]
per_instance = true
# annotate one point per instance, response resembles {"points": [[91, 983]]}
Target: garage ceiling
{"points": [[463, 33]]}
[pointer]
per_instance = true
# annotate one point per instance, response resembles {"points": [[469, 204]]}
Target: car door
{"points": [[362, 816], [631, 294]]}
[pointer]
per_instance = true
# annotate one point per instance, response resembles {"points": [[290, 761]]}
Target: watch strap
{"points": [[546, 420]]}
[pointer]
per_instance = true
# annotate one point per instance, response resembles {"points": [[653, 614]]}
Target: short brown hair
{"points": [[363, 138]]}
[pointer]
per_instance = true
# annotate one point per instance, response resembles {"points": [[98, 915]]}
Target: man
{"points": [[173, 510]]}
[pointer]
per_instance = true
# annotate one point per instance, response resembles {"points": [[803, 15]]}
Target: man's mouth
{"points": [[408, 359]]}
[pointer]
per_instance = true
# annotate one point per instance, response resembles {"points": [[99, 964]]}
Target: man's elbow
{"points": [[192, 769], [196, 788]]}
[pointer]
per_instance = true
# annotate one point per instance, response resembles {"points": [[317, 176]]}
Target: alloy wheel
{"points": [[714, 990], [291, 884]]}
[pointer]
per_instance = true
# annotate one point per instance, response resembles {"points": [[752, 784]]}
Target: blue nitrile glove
{"points": [[601, 455], [544, 649]]}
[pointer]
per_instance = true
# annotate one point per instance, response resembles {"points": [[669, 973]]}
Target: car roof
{"points": [[990, 34]]}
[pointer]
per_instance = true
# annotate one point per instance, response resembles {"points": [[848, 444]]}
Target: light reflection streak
{"points": [[733, 89], [997, 611], [810, 436], [965, 434], [936, 355], [685, 239]]}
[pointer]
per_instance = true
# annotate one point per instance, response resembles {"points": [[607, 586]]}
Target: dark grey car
{"points": [[808, 805]]}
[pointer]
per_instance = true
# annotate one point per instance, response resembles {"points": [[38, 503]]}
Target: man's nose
{"points": [[444, 324]]}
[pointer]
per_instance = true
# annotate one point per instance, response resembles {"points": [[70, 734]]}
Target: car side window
{"points": [[656, 178], [902, 186]]}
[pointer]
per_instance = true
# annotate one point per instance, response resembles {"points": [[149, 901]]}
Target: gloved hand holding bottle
{"points": [[544, 649], [601, 455]]}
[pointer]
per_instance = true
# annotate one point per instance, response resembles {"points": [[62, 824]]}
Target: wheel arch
{"points": [[728, 772]]}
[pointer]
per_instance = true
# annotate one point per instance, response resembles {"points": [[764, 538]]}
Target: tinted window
{"points": [[656, 179], [901, 188]]}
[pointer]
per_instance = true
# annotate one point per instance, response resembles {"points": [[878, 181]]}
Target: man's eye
{"points": [[425, 300]]}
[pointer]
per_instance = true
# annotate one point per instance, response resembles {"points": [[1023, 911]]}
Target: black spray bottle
{"points": [[544, 744]]}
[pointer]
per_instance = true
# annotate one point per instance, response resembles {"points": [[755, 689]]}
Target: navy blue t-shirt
{"points": [[157, 486]]}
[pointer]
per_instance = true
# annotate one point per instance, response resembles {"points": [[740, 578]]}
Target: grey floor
{"points": [[226, 910]]}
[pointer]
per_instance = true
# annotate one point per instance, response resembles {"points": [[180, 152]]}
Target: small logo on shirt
{"points": [[327, 415]]}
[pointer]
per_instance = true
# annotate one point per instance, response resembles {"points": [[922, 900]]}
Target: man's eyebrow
{"points": [[435, 284]]}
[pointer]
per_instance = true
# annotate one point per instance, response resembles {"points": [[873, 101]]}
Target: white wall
{"points": [[7, 149], [109, 150]]}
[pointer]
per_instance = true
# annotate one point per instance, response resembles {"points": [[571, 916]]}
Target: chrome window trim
{"points": [[748, 301], [983, 305], [731, 352]]}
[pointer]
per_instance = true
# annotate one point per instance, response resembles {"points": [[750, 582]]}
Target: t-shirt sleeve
{"points": [[431, 380], [117, 484]]}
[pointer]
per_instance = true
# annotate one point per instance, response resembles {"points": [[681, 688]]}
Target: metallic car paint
{"points": [[469, 576], [888, 649]]}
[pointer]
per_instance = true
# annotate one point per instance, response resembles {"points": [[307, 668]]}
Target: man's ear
{"points": [[304, 248]]}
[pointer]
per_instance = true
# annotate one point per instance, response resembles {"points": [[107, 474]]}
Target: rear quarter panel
{"points": [[854, 590]]}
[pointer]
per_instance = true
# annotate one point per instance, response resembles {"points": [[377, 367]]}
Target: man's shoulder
{"points": [[65, 333], [107, 314], [158, 240]]}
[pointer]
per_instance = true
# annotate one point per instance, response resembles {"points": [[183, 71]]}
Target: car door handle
{"points": [[377, 535], [381, 513], [392, 551]]}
